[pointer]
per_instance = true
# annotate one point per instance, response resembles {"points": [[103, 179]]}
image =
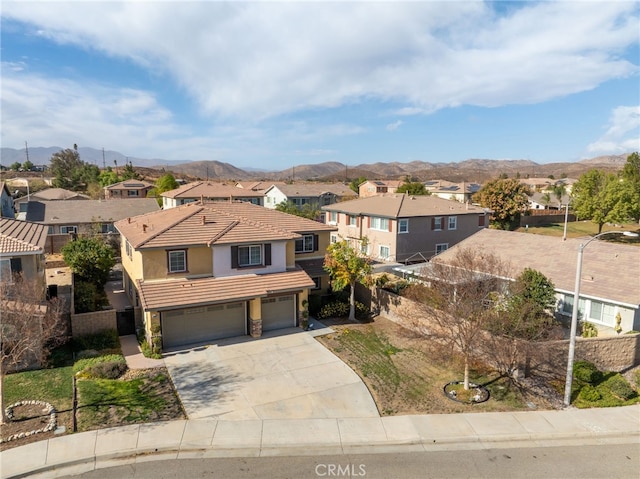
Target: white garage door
{"points": [[278, 312], [194, 325]]}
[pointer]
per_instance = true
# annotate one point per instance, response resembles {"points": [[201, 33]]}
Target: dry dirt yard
{"points": [[406, 374]]}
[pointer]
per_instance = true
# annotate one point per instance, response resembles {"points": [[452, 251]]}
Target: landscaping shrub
{"points": [[106, 370], [589, 330], [103, 340], [148, 352], [82, 365], [589, 394], [620, 387], [338, 309], [586, 372], [637, 378]]}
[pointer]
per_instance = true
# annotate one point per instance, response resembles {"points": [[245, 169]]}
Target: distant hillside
{"points": [[476, 170]]}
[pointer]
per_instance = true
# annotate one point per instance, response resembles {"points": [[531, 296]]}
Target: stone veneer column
{"points": [[255, 328]]}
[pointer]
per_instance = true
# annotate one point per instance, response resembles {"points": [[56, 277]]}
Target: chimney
{"points": [[144, 228]]}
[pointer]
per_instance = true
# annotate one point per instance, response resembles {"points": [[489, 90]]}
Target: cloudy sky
{"points": [[274, 84]]}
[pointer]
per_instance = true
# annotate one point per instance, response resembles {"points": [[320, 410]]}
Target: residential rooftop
{"points": [[71, 212], [210, 189], [21, 236]]}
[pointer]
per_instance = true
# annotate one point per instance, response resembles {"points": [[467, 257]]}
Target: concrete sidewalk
{"points": [[78, 453]]}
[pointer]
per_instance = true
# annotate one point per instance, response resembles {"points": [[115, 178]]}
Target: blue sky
{"points": [[275, 84]]}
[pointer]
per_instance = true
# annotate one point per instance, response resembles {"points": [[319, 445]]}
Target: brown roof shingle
{"points": [[164, 295], [399, 205], [610, 271], [208, 189]]}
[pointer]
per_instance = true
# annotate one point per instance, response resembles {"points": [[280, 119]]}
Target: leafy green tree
{"points": [[15, 166], [129, 173], [412, 187], [27, 165], [70, 172], [90, 258], [631, 169], [354, 184], [108, 177], [605, 198], [507, 199], [347, 266], [559, 191], [306, 211], [166, 182]]}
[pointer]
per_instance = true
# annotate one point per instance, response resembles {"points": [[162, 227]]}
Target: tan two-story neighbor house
{"points": [[205, 271], [22, 247], [404, 228]]}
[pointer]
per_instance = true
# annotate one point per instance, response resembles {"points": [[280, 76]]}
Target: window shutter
{"points": [[267, 254], [390, 225], [234, 257], [316, 240], [481, 220], [433, 223], [368, 221], [16, 265], [445, 222], [358, 221]]}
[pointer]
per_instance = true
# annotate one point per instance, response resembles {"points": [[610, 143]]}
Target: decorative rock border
{"points": [[47, 409], [482, 393]]}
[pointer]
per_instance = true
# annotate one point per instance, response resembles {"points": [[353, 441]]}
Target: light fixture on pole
{"points": [[574, 313]]}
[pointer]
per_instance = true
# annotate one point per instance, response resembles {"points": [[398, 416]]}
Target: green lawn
{"points": [[54, 386]]}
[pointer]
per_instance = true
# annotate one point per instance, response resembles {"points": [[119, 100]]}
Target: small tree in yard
{"points": [[507, 199], [347, 266], [30, 328], [90, 258], [456, 302]]}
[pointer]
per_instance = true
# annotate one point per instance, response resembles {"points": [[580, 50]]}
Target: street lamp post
{"points": [[574, 313]]}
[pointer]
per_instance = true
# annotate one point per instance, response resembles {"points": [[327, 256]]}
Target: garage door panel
{"points": [[278, 312], [206, 323]]}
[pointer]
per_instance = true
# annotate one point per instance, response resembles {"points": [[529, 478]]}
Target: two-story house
{"points": [[405, 228], [209, 191], [308, 193], [22, 247], [378, 187], [49, 194], [128, 189], [205, 271], [462, 192]]}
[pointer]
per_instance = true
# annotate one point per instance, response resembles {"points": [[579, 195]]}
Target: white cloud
{"points": [[623, 132], [394, 126], [260, 60]]}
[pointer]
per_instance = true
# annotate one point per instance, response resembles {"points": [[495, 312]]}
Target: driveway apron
{"points": [[284, 374]]}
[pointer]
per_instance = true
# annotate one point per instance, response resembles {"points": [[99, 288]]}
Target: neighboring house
{"points": [[462, 192], [546, 184], [209, 191], [22, 250], [547, 201], [309, 193], [261, 186], [610, 281], [405, 228], [50, 194], [86, 216], [6, 202], [128, 189], [205, 271], [378, 187]]}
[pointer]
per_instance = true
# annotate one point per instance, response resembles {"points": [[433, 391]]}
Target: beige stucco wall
{"points": [[199, 262]]}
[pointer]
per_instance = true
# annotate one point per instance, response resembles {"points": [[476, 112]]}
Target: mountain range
{"points": [[472, 170]]}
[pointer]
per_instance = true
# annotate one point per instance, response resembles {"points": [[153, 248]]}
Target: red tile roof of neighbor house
{"points": [[210, 189], [173, 294], [400, 205], [610, 271], [214, 223], [21, 236]]}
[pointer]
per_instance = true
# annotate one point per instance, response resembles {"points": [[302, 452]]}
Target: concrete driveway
{"points": [[284, 374]]}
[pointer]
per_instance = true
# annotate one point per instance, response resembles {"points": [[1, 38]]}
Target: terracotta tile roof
{"points": [[209, 189], [610, 271], [312, 188], [398, 205], [258, 185], [214, 223], [164, 295], [21, 236], [87, 211]]}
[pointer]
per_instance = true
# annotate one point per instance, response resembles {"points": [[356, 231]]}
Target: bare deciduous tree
{"points": [[29, 328]]}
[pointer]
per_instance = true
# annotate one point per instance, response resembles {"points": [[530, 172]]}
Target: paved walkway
{"points": [[133, 355], [78, 453]]}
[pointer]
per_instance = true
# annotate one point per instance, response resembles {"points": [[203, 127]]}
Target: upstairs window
{"points": [[453, 223], [333, 217], [177, 261], [68, 229], [381, 224], [250, 256], [307, 244], [436, 223], [403, 225], [353, 220]]}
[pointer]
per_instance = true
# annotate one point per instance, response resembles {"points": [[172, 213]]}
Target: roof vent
{"points": [[129, 220], [204, 219], [144, 228]]}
